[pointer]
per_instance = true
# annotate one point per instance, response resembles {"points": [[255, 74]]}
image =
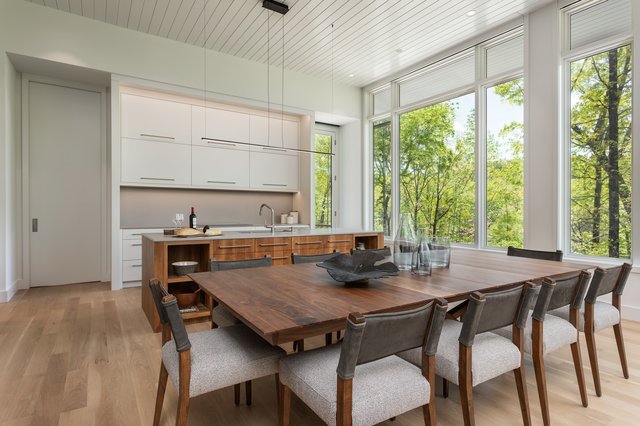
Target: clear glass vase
{"points": [[421, 258], [440, 250], [404, 243]]}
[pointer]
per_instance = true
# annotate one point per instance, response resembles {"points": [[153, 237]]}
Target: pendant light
{"points": [[282, 9]]}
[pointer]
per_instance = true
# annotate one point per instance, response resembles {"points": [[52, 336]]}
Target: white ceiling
{"points": [[369, 39]]}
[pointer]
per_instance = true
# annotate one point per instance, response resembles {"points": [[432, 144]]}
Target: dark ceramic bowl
{"points": [[359, 267]]}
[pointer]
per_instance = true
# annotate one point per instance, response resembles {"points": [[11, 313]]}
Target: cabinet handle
{"points": [[338, 241], [135, 245], [155, 178], [273, 244], [146, 135], [306, 243], [280, 257], [274, 184], [221, 143], [139, 233], [238, 246], [221, 181], [136, 266], [274, 149]]}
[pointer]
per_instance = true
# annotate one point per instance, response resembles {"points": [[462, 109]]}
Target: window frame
{"points": [[333, 132], [568, 56]]}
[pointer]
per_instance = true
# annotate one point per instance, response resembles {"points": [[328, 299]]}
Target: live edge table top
{"points": [[291, 302]]}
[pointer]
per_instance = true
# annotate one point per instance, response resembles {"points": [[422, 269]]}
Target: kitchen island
{"points": [[159, 251]]}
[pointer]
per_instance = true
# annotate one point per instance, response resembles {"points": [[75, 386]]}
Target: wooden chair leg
{"points": [[328, 339], [429, 413], [247, 391], [577, 363], [285, 405], [183, 388], [162, 385], [593, 360], [541, 382], [277, 377], [465, 384], [445, 388], [617, 329], [236, 394], [521, 384]]}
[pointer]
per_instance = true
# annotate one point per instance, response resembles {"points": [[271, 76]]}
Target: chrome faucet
{"points": [[273, 217]]}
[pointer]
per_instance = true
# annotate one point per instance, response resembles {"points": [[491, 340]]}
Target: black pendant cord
{"points": [[268, 147]]}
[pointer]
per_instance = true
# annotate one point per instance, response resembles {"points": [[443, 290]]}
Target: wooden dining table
{"points": [[293, 302]]}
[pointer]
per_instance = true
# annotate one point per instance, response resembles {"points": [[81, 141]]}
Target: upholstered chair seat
{"points": [[222, 317], [557, 332], [381, 389], [604, 315], [223, 357]]}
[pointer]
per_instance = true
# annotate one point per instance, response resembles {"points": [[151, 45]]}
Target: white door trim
{"points": [[105, 267]]}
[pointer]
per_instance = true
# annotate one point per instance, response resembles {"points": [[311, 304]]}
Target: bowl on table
{"points": [[359, 267], [184, 267]]}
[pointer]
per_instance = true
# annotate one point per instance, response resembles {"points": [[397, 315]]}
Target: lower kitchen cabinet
{"points": [[155, 163], [274, 171], [219, 167]]}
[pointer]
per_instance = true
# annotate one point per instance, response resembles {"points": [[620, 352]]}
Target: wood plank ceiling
{"points": [[368, 40]]}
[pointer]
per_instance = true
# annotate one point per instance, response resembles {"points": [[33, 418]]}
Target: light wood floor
{"points": [[82, 355]]}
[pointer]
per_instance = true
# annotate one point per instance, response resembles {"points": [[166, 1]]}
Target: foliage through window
{"points": [[601, 108], [322, 180], [505, 164], [437, 168], [382, 176]]}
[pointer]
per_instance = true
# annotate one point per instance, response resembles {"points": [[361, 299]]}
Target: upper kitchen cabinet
{"points": [[155, 163], [155, 119], [218, 124], [275, 132], [274, 172]]}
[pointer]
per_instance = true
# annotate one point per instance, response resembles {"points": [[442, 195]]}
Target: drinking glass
{"points": [[421, 257], [440, 249]]}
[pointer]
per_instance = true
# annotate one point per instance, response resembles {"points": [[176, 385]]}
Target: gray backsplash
{"points": [[156, 207]]}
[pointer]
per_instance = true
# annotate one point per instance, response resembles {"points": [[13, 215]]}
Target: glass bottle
{"points": [[404, 243], [421, 259]]}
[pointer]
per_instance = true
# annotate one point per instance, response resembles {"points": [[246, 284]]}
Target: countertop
{"points": [[232, 235]]}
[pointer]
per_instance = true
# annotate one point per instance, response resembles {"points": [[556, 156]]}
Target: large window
{"points": [[322, 174], [600, 162], [437, 168], [505, 164], [382, 176]]}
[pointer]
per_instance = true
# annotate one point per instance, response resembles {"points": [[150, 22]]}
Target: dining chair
{"points": [[385, 251], [545, 333], [372, 384], [296, 259], [206, 361], [469, 354], [535, 254], [597, 315]]}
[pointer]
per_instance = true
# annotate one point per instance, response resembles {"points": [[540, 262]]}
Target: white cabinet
{"points": [[218, 124], [155, 163], [274, 172], [275, 132], [155, 119], [220, 167], [132, 255]]}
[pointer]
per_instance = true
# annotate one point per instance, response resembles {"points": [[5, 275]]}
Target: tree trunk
{"points": [[597, 202], [613, 100]]}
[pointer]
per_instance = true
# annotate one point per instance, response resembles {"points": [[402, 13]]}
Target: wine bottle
{"points": [[192, 219]]}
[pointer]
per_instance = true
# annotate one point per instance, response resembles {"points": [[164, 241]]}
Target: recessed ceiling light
{"points": [[471, 13], [351, 75]]}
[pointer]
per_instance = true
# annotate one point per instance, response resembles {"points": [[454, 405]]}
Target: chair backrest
{"points": [[227, 265], [545, 292], [486, 312], [168, 311], [612, 280], [371, 337], [312, 258], [385, 251], [535, 254], [569, 291]]}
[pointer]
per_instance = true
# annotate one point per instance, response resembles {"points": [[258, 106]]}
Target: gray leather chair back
{"points": [[496, 310], [545, 293], [312, 258], [158, 292], [178, 330], [607, 281], [227, 265], [371, 337], [570, 291], [535, 254]]}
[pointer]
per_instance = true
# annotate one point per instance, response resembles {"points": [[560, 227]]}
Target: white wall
{"points": [[10, 155]]}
